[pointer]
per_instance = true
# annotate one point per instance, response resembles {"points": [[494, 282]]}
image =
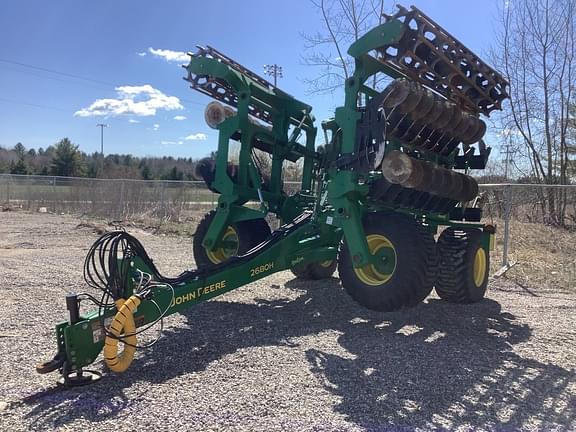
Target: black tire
{"points": [[431, 266], [409, 282], [315, 271], [462, 278], [249, 233]]}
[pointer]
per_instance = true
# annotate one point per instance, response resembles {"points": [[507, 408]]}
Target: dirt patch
{"points": [[93, 227]]}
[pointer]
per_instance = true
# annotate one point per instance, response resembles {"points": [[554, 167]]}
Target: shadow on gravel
{"points": [[435, 366]]}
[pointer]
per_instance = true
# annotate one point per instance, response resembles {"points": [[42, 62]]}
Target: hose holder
{"points": [[123, 323]]}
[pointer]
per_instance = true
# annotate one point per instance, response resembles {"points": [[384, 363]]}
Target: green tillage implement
{"points": [[392, 171]]}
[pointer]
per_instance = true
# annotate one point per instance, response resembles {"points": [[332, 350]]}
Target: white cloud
{"points": [[179, 117], [142, 100], [155, 126], [133, 121], [168, 143], [142, 54], [169, 55], [197, 137]]}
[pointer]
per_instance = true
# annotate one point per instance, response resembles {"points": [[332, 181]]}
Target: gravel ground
{"points": [[281, 354]]}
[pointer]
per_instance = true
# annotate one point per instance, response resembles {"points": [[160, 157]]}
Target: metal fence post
{"points": [[507, 211], [121, 201], [8, 180], [162, 204]]}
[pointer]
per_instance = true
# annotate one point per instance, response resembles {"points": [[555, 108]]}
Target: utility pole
{"points": [[101, 126], [507, 202], [509, 153], [275, 71], [507, 163]]}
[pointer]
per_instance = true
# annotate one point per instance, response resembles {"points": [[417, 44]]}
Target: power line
{"points": [[69, 75], [56, 72], [33, 105], [12, 101], [42, 75]]}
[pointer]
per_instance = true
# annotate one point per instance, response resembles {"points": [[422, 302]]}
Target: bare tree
{"points": [[343, 22], [535, 50]]}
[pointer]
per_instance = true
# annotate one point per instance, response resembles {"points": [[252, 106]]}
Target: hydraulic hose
{"points": [[123, 322]]}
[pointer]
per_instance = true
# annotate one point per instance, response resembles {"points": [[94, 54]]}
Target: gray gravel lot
{"points": [[282, 354]]}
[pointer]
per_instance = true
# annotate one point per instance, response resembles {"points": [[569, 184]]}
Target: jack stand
{"points": [[70, 378]]}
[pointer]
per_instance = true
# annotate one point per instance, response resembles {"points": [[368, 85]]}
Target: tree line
{"points": [[65, 159]]}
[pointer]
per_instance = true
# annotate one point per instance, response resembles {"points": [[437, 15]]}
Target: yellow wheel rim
{"points": [[369, 274], [326, 264], [219, 255], [479, 267]]}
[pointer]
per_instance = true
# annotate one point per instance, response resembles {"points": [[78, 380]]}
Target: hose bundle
{"points": [[108, 268], [107, 265]]}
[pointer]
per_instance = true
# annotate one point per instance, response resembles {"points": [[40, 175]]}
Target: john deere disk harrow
{"points": [[392, 173]]}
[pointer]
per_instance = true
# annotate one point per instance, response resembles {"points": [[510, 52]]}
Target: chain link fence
{"points": [[536, 229], [109, 198], [519, 211], [151, 201]]}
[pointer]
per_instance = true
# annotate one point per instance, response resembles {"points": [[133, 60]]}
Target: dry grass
{"points": [[545, 256], [185, 226]]}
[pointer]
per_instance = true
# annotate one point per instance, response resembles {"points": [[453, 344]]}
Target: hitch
{"points": [[71, 377]]}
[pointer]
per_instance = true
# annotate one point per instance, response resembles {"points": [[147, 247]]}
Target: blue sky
{"points": [[121, 48]]}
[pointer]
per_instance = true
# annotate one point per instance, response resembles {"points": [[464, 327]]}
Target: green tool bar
{"points": [[219, 77]]}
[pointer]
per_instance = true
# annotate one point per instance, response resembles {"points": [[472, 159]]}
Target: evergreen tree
{"points": [[146, 172], [174, 174], [18, 167], [20, 150], [67, 160]]}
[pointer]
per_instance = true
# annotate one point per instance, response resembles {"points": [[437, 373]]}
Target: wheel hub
{"points": [[380, 273], [479, 267], [229, 247]]}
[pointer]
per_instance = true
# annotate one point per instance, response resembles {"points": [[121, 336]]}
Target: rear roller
{"points": [[405, 277]]}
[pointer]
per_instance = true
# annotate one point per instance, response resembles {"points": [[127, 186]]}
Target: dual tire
{"points": [[413, 263], [239, 238], [463, 266]]}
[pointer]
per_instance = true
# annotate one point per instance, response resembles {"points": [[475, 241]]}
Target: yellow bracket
{"points": [[123, 322]]}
